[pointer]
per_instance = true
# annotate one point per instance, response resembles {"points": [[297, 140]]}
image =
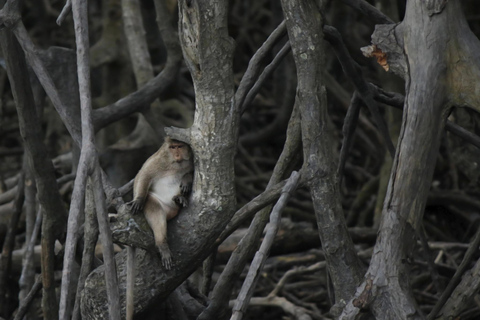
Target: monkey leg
{"points": [[157, 219]]}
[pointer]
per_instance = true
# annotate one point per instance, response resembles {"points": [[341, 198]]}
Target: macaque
{"points": [[160, 189]]}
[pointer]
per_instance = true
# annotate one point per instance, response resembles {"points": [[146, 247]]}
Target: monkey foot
{"points": [[181, 201], [166, 256], [136, 206]]}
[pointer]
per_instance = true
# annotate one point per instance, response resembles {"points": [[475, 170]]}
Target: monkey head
{"points": [[178, 150]]}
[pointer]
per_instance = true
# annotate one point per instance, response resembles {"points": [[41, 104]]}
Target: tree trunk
{"points": [[438, 55], [304, 25], [208, 52]]}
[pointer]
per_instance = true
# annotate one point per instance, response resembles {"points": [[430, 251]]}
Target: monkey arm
{"points": [[186, 184], [136, 206], [141, 186], [185, 188]]}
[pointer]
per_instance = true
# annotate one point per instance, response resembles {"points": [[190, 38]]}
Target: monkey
{"points": [[160, 190]]}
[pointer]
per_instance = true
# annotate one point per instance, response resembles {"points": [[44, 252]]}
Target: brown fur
{"points": [[172, 165], [160, 190]]}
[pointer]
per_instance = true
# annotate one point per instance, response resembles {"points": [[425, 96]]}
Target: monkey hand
{"points": [[186, 183], [166, 255], [185, 187], [181, 201], [136, 206]]}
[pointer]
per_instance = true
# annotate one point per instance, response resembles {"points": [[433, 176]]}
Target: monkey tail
{"points": [[130, 282]]}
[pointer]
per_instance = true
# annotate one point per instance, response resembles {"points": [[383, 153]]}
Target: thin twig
{"points": [[265, 74], [457, 276], [353, 72], [25, 304], [76, 208], [107, 244], [298, 313], [31, 54], [253, 69], [90, 241], [259, 260], [259, 202], [422, 235], [349, 125], [397, 101], [87, 166], [88, 162], [246, 247], [87, 157], [65, 11], [294, 272], [8, 245], [27, 278], [29, 251], [370, 11]]}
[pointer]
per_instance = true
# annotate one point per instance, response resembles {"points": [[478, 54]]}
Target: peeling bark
{"points": [[440, 64], [213, 137]]}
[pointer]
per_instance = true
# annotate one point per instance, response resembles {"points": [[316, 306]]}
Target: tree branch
{"points": [[370, 11], [88, 165], [253, 70], [353, 71], [303, 24], [192, 234], [49, 197], [245, 249], [256, 267]]}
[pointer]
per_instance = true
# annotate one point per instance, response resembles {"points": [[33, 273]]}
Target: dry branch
{"points": [[88, 165], [303, 24], [258, 262], [221, 293], [48, 195], [213, 138], [434, 82]]}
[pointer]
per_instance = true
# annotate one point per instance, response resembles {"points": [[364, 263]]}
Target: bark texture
{"points": [[208, 51], [304, 25], [438, 55], [48, 194]]}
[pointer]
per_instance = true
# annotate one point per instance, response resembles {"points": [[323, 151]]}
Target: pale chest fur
{"points": [[166, 187]]}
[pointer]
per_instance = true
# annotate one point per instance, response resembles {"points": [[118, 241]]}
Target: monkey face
{"points": [[179, 152]]}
